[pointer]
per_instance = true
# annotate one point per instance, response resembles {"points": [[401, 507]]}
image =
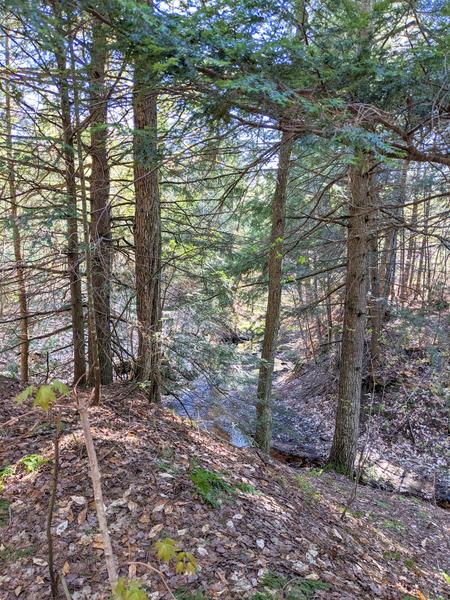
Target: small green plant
{"points": [[382, 504], [32, 462], [8, 554], [210, 486], [272, 581], [184, 594], [315, 472], [409, 563], [45, 395], [392, 555], [393, 524], [307, 489], [131, 590], [4, 511], [247, 488], [277, 587], [5, 472], [357, 514], [305, 589], [167, 551]]}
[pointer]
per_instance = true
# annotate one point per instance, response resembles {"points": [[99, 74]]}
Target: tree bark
{"points": [[147, 231], [17, 238], [100, 228], [272, 321], [73, 258], [343, 451]]}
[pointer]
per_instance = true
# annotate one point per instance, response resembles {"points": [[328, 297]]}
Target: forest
{"points": [[224, 299]]}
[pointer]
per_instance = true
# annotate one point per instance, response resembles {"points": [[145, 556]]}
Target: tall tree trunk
{"points": [[92, 329], [17, 240], [343, 451], [410, 253], [73, 258], [420, 282], [391, 244], [147, 231], [275, 263], [99, 194], [329, 315], [376, 301]]}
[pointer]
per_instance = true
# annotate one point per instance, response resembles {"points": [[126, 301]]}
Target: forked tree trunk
{"points": [[73, 258], [147, 231], [343, 451], [17, 239], [100, 229], [275, 263]]}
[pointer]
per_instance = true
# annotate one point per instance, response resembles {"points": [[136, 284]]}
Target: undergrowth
{"points": [[212, 488], [307, 489], [277, 587], [184, 594]]}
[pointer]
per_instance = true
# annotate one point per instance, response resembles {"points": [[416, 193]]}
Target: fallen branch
{"points": [[64, 586], [155, 570], [97, 486], [51, 508]]}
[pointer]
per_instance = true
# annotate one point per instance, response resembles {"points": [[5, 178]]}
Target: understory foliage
{"points": [[278, 587], [212, 488], [168, 551], [129, 590]]}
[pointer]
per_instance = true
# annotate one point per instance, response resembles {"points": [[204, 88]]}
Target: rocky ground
{"points": [[270, 517]]}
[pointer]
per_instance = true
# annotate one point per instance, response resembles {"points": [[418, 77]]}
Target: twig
{"points": [[97, 486], [51, 507], [64, 586], [163, 579], [181, 402]]}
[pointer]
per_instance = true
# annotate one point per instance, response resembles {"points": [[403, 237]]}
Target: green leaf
{"points": [[446, 577], [24, 394], [166, 549], [60, 387], [44, 397], [129, 590], [32, 462], [186, 563]]}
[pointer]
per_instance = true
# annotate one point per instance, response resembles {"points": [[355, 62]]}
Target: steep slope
{"points": [[269, 517]]}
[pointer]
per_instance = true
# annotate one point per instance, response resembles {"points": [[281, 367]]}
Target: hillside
{"points": [[268, 519]]}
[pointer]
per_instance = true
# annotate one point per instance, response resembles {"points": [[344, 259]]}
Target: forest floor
{"points": [[270, 518]]}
